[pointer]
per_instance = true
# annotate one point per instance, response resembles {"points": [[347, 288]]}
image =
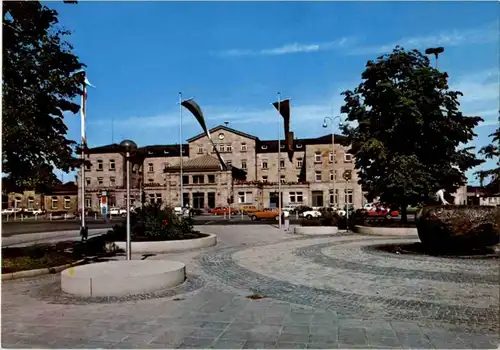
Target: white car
{"points": [[309, 214], [11, 210], [117, 211], [288, 209]]}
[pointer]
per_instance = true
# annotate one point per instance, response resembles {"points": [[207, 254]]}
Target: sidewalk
{"points": [[47, 237]]}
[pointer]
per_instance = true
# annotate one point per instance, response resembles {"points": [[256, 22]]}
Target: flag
{"points": [[284, 110], [193, 107]]}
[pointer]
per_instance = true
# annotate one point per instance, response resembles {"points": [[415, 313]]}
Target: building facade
{"points": [[314, 176]]}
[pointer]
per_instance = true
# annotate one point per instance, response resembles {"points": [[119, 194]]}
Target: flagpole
{"points": [[82, 126], [180, 149], [279, 161]]}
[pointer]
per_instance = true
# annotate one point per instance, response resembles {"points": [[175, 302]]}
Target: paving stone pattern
{"points": [[212, 310]]}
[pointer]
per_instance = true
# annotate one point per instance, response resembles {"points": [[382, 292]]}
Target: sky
{"points": [[234, 57]]}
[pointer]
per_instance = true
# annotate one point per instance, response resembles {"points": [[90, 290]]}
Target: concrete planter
{"points": [[170, 246], [316, 230], [386, 231], [121, 278], [38, 272]]}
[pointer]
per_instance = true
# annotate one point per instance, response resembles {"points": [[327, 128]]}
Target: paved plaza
{"points": [[318, 292]]}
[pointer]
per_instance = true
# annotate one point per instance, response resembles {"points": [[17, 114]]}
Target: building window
{"points": [[88, 166], [67, 203], [158, 198], [198, 179], [200, 150], [134, 168], [243, 147], [330, 157], [264, 178], [211, 179], [151, 168], [249, 197], [348, 196], [317, 177], [334, 199], [282, 163], [88, 202], [264, 147], [153, 198], [332, 175], [299, 163], [100, 181], [243, 164], [88, 181], [100, 165], [241, 197], [53, 204], [264, 163], [31, 203], [296, 197], [151, 181], [112, 181], [282, 179], [317, 157], [229, 148], [348, 158], [221, 148], [185, 180], [112, 165]]}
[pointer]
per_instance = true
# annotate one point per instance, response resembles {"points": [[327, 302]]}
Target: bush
{"points": [[328, 219], [154, 223]]}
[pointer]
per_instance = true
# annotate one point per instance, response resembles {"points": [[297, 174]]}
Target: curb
{"points": [[38, 272], [386, 231]]}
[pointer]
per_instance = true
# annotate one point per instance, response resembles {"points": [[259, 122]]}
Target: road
{"points": [[31, 226]]}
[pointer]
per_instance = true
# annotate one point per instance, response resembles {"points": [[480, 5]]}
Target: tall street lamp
{"points": [[325, 125], [129, 146]]}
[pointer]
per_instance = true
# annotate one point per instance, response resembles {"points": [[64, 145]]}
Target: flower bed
{"points": [[50, 255]]}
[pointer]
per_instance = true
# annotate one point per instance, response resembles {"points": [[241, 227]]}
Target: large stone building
{"points": [[252, 178]]}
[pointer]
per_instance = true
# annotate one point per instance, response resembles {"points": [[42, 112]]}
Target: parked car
{"points": [[310, 214], [248, 209], [267, 213], [289, 209], [33, 211], [8, 211], [223, 210], [302, 208], [61, 215], [117, 211], [380, 211], [343, 211]]}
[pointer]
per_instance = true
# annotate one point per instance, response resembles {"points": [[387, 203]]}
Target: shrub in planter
{"points": [[458, 228], [154, 223]]}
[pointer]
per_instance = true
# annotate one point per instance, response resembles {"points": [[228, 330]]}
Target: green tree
{"points": [[409, 130], [38, 88], [492, 151]]}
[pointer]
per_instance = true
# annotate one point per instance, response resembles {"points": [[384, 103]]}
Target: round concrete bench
{"points": [[170, 246], [386, 231], [121, 278], [316, 230]]}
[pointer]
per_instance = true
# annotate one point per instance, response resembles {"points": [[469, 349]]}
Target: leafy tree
{"points": [[406, 143], [492, 151], [38, 88]]}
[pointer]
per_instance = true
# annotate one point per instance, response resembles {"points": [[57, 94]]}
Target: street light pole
{"points": [[128, 145], [325, 124]]}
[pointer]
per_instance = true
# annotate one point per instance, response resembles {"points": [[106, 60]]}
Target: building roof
{"points": [[271, 146], [164, 150], [205, 162], [67, 188], [225, 128]]}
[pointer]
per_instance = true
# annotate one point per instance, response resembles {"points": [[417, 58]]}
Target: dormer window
{"points": [[165, 152], [282, 146], [264, 146], [299, 146], [150, 153]]}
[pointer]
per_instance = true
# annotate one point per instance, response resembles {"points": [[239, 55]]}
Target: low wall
{"points": [[170, 246], [386, 231], [316, 230]]}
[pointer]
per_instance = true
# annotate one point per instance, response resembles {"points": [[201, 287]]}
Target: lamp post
{"points": [[325, 125], [129, 146]]}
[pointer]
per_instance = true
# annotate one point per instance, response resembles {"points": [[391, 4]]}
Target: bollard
{"points": [[242, 215], [64, 216], [224, 215], [7, 217], [22, 217], [50, 216], [95, 216], [36, 216], [297, 215]]}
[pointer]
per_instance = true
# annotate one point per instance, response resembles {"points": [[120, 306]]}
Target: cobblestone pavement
{"points": [[319, 292]]}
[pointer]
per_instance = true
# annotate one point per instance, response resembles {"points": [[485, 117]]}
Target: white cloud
{"points": [[289, 48], [480, 35]]}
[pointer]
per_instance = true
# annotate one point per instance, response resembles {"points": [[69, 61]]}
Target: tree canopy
{"points": [[409, 130], [492, 151], [38, 88]]}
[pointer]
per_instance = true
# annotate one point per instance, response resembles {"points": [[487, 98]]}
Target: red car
{"points": [[380, 211], [223, 210]]}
